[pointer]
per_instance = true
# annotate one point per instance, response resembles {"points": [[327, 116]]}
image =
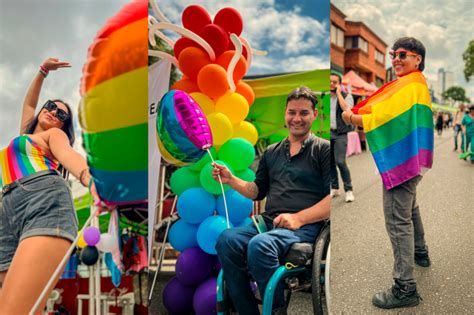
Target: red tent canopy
{"points": [[359, 86]]}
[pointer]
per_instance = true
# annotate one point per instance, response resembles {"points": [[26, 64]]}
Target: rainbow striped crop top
{"points": [[23, 157]]}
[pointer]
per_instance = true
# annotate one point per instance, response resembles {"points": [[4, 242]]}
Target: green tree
{"points": [[468, 57], [456, 94]]}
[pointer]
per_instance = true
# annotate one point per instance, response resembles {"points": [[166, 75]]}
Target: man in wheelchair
{"points": [[294, 176]]}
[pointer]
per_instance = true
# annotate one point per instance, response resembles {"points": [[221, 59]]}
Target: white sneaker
{"points": [[334, 193], [349, 196]]}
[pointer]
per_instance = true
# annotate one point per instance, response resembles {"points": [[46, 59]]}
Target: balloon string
{"points": [[182, 31], [222, 189], [162, 251]]}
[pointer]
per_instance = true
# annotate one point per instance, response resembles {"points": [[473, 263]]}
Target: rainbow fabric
{"points": [[398, 123], [23, 157]]}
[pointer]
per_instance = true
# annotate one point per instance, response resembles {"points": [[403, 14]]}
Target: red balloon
{"points": [[217, 37], [183, 43], [230, 20], [195, 17]]}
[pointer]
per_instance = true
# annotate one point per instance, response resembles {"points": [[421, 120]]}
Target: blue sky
{"points": [[294, 33]]}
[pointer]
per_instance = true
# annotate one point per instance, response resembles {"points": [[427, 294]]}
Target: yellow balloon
{"points": [[221, 128], [234, 106], [246, 130], [81, 243], [204, 101]]}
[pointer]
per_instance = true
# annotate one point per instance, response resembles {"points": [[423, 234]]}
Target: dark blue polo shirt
{"points": [[293, 183]]}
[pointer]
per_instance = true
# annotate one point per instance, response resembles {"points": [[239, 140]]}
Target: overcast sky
{"points": [[294, 33], [444, 26], [30, 32]]}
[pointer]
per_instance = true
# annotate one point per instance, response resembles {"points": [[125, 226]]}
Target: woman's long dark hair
{"points": [[68, 128]]}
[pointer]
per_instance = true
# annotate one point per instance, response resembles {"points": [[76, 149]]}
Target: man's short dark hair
{"points": [[337, 75], [412, 44], [302, 92]]}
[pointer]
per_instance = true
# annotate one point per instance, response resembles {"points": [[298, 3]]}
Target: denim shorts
{"points": [[41, 206]]}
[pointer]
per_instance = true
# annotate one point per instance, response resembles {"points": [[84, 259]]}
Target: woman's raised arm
{"points": [[34, 90]]}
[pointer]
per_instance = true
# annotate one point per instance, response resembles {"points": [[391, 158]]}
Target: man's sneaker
{"points": [[349, 196], [422, 260], [394, 298], [334, 192]]}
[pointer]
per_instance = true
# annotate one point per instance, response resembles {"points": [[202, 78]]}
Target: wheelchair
{"points": [[309, 272]]}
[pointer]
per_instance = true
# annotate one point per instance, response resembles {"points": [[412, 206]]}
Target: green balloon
{"points": [[183, 179], [204, 160], [238, 153], [208, 182], [247, 175]]}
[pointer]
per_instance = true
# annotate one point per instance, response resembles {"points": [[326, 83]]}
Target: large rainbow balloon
{"points": [[113, 111]]}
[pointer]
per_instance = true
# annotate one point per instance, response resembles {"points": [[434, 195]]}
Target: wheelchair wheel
{"points": [[319, 265]]}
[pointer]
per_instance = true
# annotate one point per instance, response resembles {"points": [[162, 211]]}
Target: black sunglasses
{"points": [[61, 114], [401, 54]]}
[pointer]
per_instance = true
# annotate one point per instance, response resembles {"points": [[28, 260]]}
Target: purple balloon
{"points": [[91, 235], [192, 120], [217, 266], [193, 266], [177, 297], [205, 297]]}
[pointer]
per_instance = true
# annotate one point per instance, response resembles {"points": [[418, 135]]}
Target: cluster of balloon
{"points": [[91, 241], [204, 111]]}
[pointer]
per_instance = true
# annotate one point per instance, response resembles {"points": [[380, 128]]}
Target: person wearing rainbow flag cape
{"points": [[397, 120]]}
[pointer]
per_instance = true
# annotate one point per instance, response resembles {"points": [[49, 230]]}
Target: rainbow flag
{"points": [[398, 123]]}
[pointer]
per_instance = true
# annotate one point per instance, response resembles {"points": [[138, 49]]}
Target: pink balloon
{"points": [[192, 120]]}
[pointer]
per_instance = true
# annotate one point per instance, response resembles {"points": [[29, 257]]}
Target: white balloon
{"points": [[107, 243]]}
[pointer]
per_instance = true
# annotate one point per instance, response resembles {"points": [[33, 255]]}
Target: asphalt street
{"points": [[361, 257]]}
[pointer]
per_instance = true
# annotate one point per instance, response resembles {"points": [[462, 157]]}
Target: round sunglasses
{"points": [[401, 54], [61, 114]]}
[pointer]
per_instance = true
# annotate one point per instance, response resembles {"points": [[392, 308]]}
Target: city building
{"points": [[354, 46]]}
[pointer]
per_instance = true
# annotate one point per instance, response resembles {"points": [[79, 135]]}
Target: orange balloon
{"points": [[186, 85], [191, 60], [212, 81], [240, 68], [246, 91]]}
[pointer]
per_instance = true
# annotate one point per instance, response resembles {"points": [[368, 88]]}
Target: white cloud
{"points": [[284, 34], [52, 28]]}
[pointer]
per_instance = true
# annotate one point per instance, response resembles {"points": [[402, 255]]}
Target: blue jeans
{"points": [[242, 251], [37, 207]]}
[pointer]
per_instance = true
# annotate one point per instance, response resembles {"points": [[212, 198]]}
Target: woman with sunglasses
{"points": [[38, 222], [398, 123]]}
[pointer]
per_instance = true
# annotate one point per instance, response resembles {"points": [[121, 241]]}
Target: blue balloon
{"points": [[196, 204], [239, 207], [209, 231], [182, 235], [245, 222]]}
